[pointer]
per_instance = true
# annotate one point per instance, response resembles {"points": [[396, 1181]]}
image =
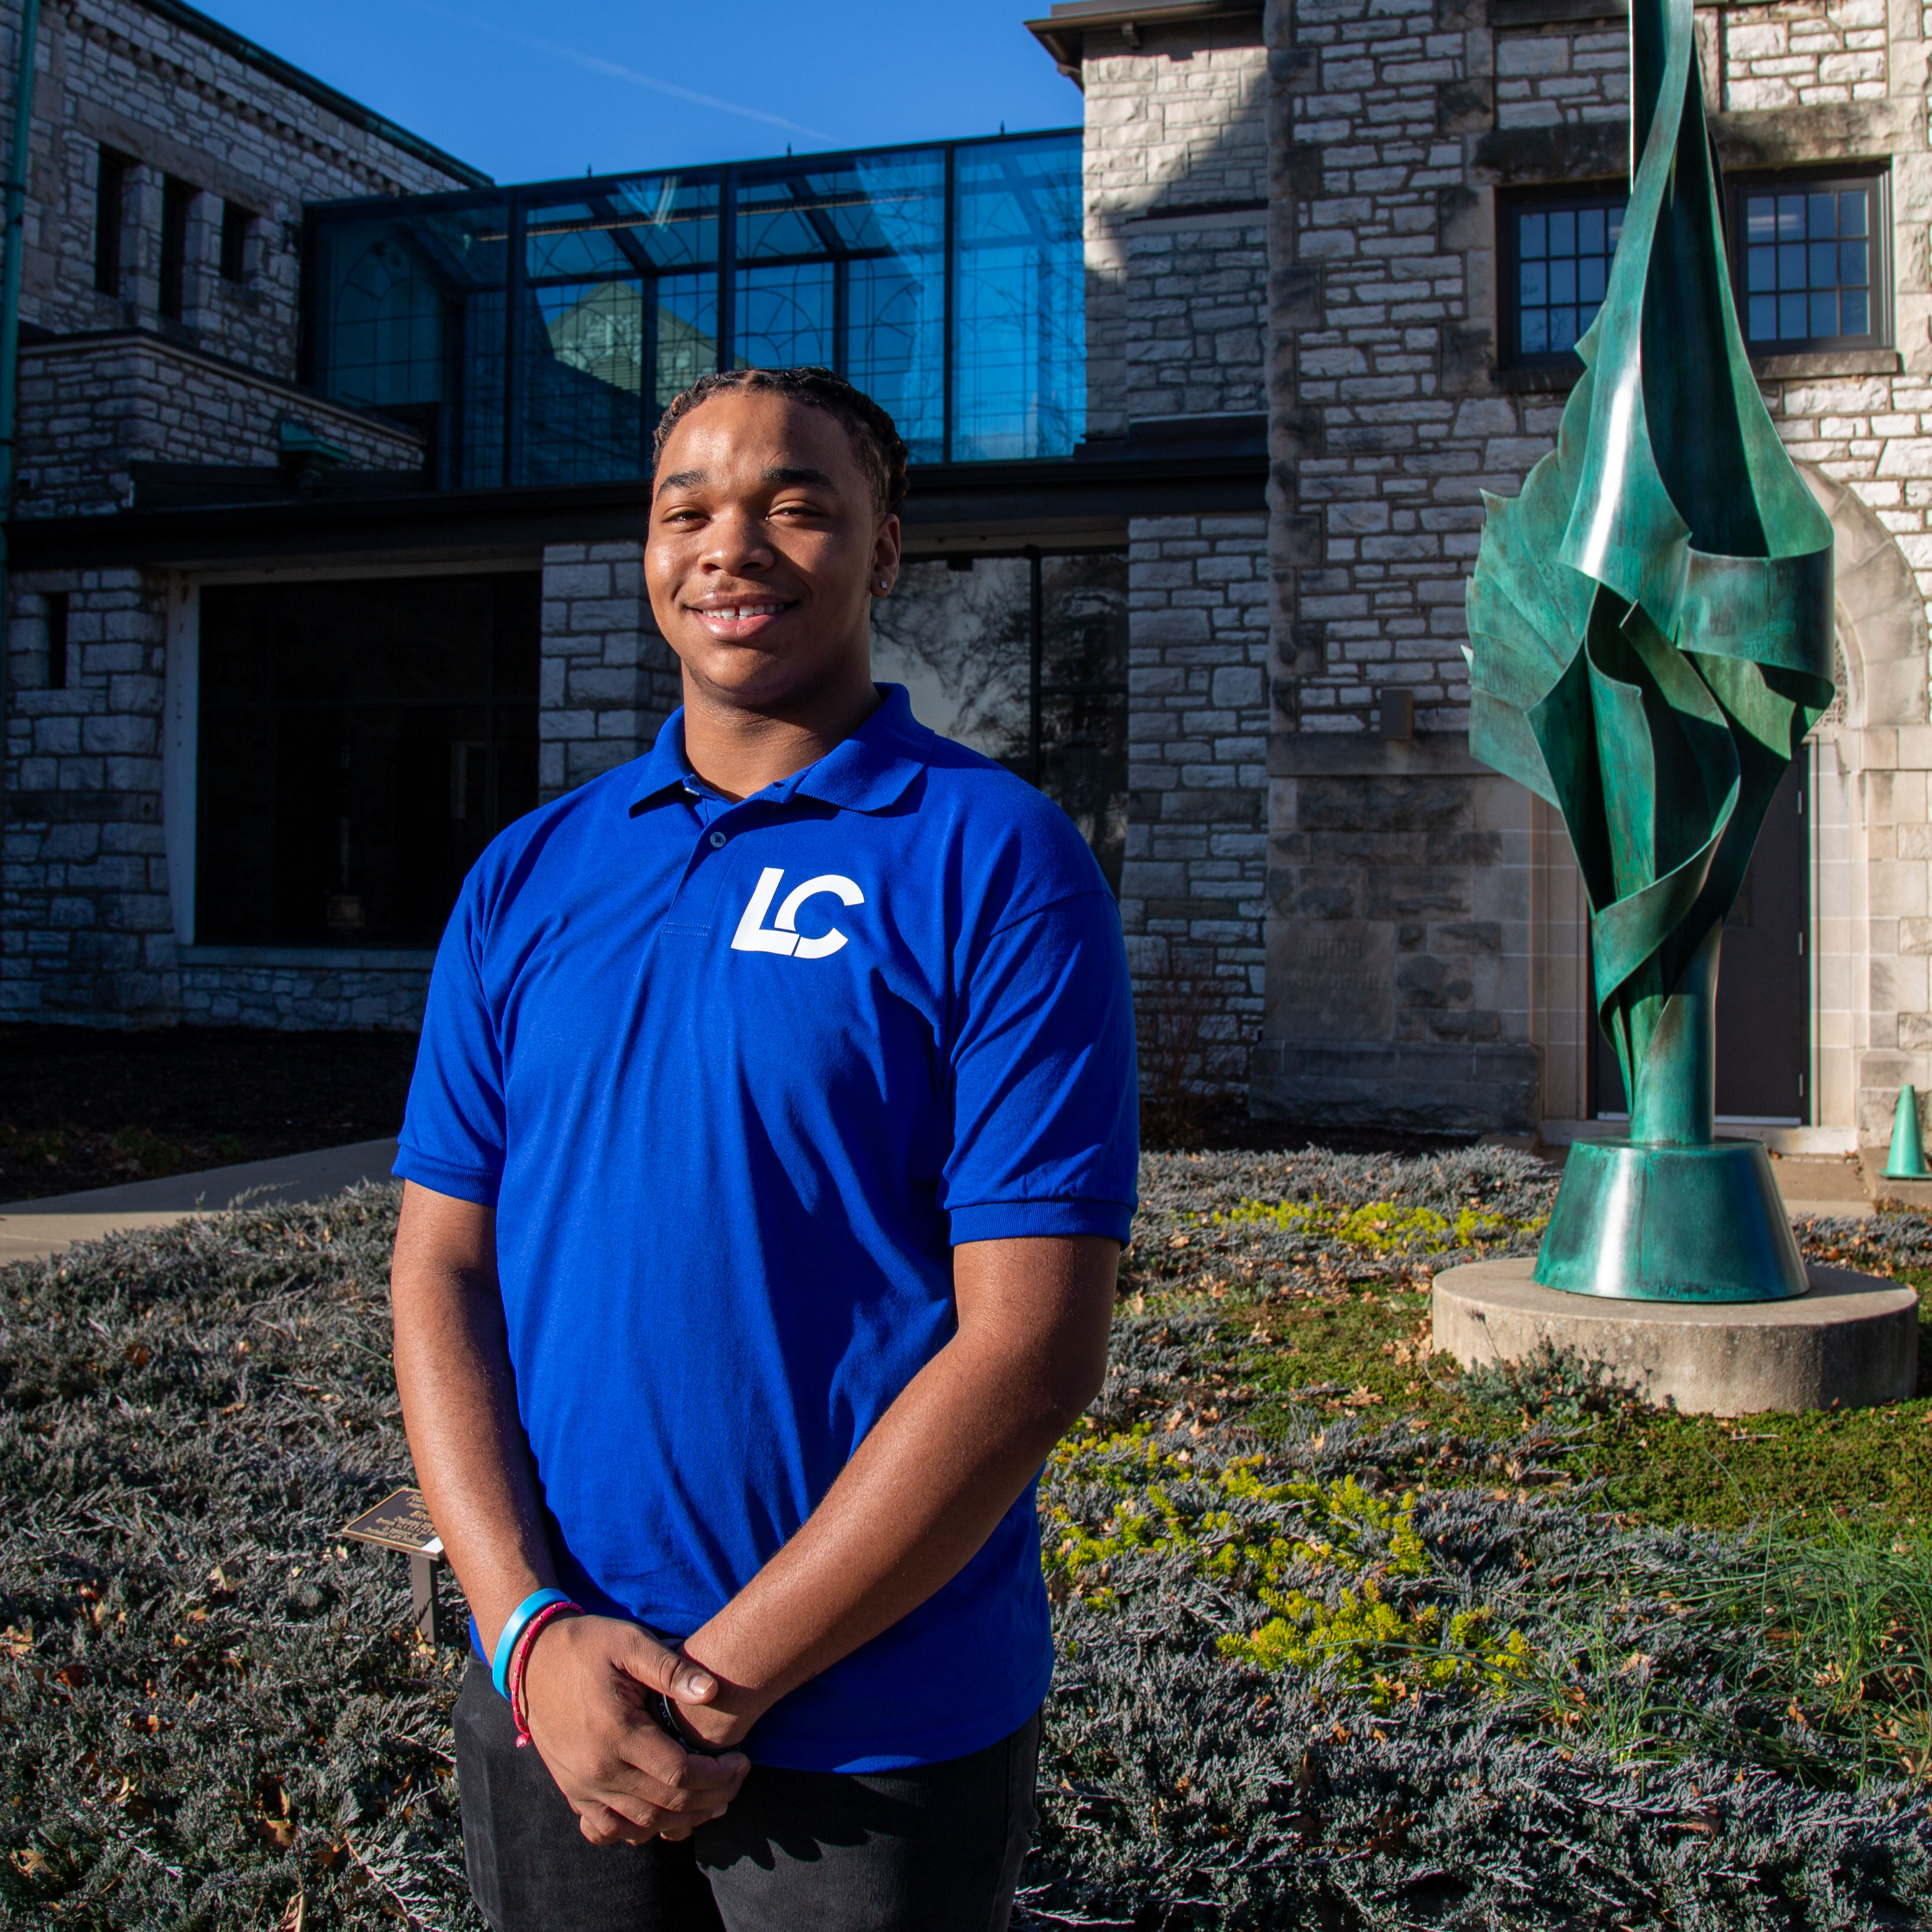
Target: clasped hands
{"points": [[590, 1689]]}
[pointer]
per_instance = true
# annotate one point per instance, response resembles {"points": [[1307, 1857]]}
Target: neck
{"points": [[737, 750]]}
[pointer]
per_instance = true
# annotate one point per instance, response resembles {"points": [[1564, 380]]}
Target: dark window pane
{"points": [[360, 742], [1535, 332], [109, 196], [1854, 317], [1563, 281], [1585, 316], [1590, 232], [1762, 268], [1760, 217], [1562, 327], [1791, 265], [178, 199], [1791, 217], [1793, 314], [1763, 327], [1535, 284], [1824, 265], [236, 221], [1854, 270], [1590, 279], [1563, 232], [1852, 205], [1535, 236], [1824, 312], [1616, 227], [1823, 218]]}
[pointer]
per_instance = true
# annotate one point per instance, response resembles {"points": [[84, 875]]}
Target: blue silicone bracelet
{"points": [[506, 1644]]}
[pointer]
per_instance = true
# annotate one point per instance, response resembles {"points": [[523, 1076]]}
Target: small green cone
{"points": [[1906, 1161]]}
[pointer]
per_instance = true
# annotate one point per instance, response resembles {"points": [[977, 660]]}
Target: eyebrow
{"points": [[689, 479]]}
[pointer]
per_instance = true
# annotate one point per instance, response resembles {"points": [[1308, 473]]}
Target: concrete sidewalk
{"points": [[32, 1230]]}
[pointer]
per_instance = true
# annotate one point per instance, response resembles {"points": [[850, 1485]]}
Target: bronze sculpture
{"points": [[1650, 627]]}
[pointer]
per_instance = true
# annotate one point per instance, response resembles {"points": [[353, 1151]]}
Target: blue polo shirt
{"points": [[736, 1078]]}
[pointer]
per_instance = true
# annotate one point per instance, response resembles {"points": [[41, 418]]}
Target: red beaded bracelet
{"points": [[520, 1659]]}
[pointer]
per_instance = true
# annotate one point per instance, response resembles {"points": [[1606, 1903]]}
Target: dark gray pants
{"points": [[936, 1848]]}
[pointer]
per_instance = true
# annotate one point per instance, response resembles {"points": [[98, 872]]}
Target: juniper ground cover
{"points": [[1348, 1639]]}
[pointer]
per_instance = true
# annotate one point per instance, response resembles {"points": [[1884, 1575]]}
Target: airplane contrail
{"points": [[615, 71]]}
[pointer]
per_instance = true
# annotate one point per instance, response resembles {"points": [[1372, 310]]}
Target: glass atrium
{"points": [[535, 334]]}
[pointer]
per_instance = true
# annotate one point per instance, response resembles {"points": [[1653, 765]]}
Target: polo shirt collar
{"points": [[871, 771]]}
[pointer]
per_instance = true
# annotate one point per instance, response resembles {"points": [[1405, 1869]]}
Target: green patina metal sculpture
{"points": [[1652, 638]]}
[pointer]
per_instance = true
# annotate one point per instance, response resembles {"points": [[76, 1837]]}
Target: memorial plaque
{"points": [[401, 1523], [398, 1521]]}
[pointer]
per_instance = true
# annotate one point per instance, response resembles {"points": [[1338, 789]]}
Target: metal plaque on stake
{"points": [[401, 1522]]}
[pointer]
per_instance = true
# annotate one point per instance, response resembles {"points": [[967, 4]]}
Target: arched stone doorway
{"points": [[1872, 835]]}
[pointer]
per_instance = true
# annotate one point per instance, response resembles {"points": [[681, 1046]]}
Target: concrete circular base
{"points": [[1852, 1340]]}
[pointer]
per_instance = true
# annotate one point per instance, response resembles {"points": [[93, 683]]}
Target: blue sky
{"points": [[527, 92]]}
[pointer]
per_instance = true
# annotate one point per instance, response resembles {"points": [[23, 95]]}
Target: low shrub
{"points": [[1317, 1670]]}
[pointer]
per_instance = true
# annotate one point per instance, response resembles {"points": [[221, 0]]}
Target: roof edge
{"points": [[1063, 32], [249, 54]]}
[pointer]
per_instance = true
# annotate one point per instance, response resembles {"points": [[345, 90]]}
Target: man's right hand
{"points": [[588, 1688]]}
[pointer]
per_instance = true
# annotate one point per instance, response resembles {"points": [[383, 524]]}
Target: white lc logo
{"points": [[753, 936]]}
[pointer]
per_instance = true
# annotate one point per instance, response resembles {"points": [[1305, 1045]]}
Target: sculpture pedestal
{"points": [[1670, 1224], [1852, 1340]]}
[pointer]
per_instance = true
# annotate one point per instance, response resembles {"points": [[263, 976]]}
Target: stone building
{"points": [[333, 478], [1443, 178]]}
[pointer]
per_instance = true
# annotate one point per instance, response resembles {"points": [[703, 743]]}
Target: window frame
{"points": [[1511, 202], [1876, 179]]}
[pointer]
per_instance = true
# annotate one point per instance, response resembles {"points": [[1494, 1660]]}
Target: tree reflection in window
{"points": [[1024, 658]]}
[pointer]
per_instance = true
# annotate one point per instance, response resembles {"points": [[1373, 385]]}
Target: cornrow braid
{"points": [[875, 438]]}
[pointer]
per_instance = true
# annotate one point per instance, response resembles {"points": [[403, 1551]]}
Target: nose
{"points": [[735, 543]]}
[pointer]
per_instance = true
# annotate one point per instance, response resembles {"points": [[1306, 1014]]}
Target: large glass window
{"points": [[1556, 266], [617, 312], [408, 314], [360, 743], [1019, 351], [537, 333], [1810, 262], [1025, 659]]}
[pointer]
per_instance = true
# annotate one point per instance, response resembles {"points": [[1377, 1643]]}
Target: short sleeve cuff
{"points": [[1009, 1220], [440, 1176]]}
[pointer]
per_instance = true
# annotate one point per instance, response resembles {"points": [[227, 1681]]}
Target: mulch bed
{"points": [[83, 1107]]}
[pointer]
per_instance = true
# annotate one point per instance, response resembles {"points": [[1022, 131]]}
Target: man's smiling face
{"points": [[767, 545]]}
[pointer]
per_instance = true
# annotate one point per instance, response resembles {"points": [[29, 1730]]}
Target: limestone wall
{"points": [[1193, 890], [1175, 122], [609, 680], [115, 73], [91, 409]]}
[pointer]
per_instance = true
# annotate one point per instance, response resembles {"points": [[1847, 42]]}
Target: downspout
{"points": [[12, 211]]}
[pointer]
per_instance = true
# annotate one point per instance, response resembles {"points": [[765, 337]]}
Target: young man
{"points": [[770, 1149]]}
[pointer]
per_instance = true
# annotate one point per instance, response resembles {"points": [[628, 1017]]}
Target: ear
{"points": [[885, 561]]}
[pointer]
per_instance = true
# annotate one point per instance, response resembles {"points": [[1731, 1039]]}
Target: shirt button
{"points": [[718, 841]]}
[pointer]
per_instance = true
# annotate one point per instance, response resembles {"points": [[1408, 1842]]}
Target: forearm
{"points": [[459, 1406], [927, 1485]]}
